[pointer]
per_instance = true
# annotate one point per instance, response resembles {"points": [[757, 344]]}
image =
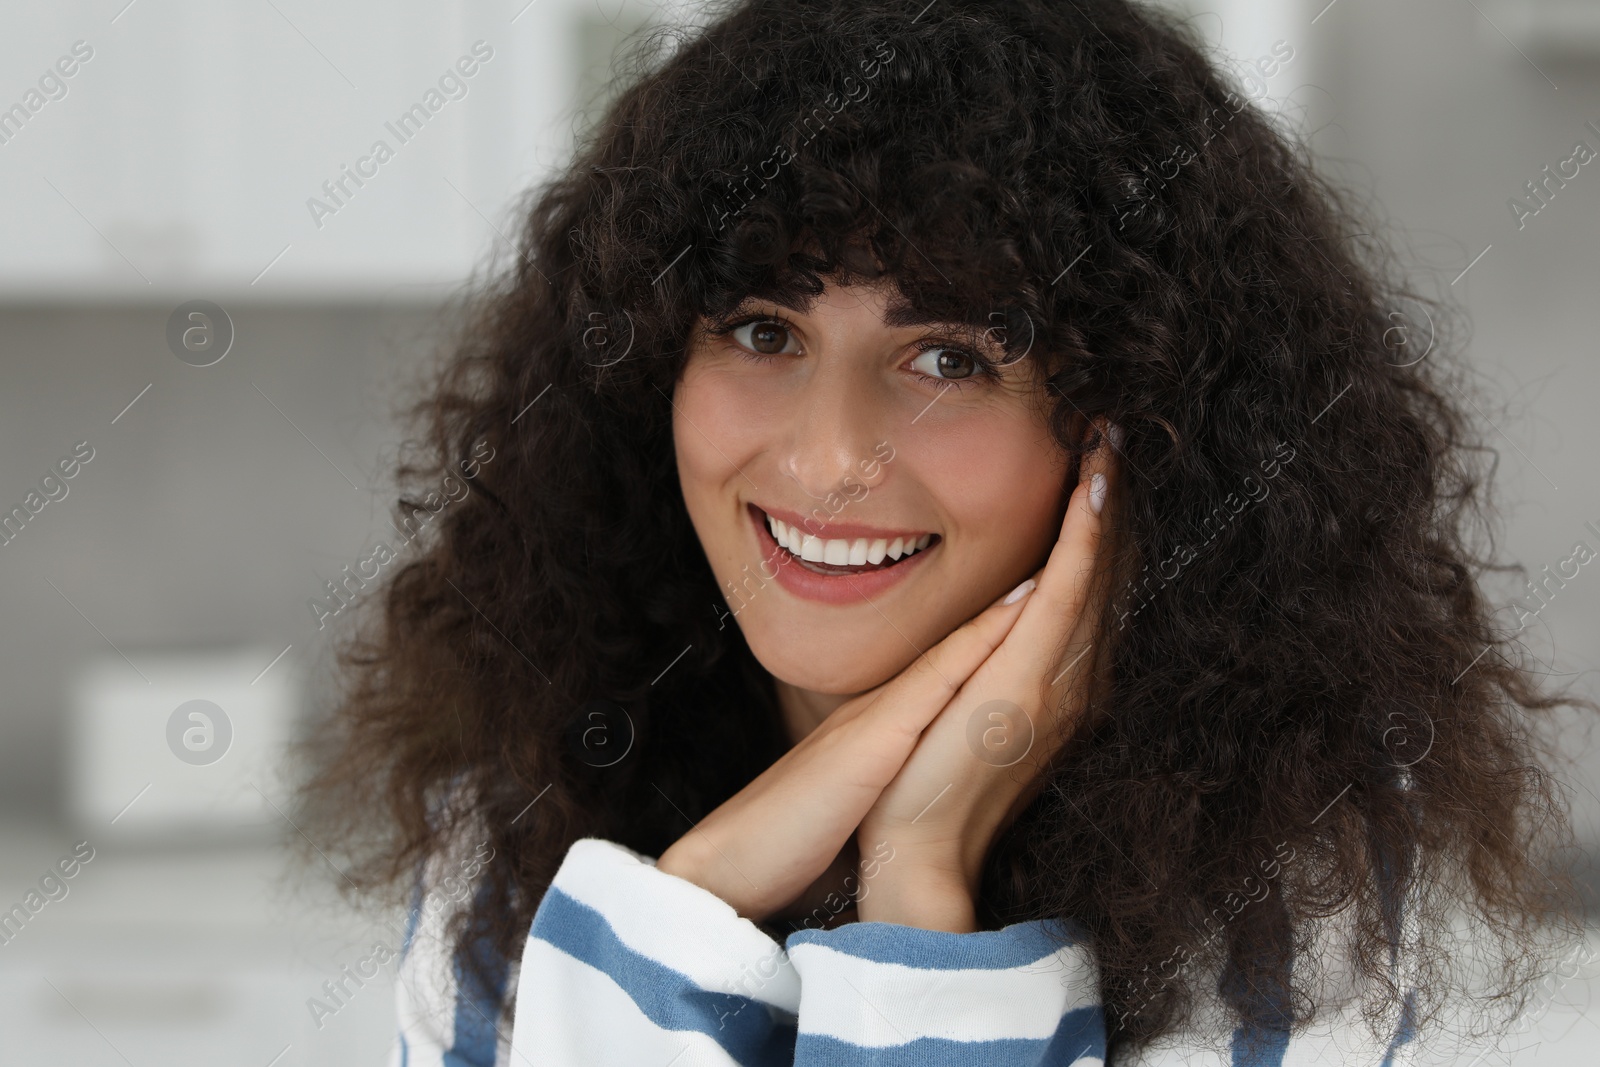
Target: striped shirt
{"points": [[627, 965]]}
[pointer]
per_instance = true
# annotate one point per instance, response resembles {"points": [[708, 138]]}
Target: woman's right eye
{"points": [[766, 336]]}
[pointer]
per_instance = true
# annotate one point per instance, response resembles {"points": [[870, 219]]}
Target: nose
{"points": [[832, 424]]}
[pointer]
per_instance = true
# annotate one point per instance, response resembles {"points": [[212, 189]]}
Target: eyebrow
{"points": [[898, 314]]}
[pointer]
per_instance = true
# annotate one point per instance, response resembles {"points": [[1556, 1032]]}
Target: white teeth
{"points": [[839, 552]]}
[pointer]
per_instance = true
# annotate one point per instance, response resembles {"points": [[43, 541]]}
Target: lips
{"points": [[835, 549], [833, 583]]}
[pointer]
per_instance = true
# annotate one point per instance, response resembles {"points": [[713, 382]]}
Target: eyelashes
{"points": [[984, 369]]}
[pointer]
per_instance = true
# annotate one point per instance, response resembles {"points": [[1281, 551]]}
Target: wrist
{"points": [[673, 861], [680, 861], [929, 895], [686, 858]]}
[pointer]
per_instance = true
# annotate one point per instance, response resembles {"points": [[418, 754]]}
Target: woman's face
{"points": [[864, 438]]}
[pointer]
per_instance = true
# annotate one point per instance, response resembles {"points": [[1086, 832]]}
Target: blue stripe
{"points": [[411, 918], [475, 1025], [1407, 1027], [477, 1006], [1391, 902], [1080, 1033], [1267, 994], [405, 1050], [1018, 945], [1259, 1046], [667, 998]]}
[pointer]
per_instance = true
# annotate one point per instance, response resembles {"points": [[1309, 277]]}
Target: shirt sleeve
{"points": [[446, 1016], [626, 964], [879, 994]]}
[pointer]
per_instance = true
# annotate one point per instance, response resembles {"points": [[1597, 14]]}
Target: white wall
{"points": [[180, 161]]}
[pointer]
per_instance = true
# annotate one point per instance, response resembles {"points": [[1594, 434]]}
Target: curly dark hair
{"points": [[1303, 656]]}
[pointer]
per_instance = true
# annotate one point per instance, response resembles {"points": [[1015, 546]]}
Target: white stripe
{"points": [[678, 924], [1342, 1040], [1178, 1051], [883, 1004], [569, 1014], [425, 994]]}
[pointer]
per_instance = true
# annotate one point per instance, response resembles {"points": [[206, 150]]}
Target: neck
{"points": [[804, 709]]}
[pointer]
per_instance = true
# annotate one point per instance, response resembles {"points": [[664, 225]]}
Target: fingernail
{"points": [[1117, 436], [1020, 591], [1097, 492]]}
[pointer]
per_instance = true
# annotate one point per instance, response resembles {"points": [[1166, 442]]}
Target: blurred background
{"points": [[206, 324]]}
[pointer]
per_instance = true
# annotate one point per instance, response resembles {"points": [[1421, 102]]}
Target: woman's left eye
{"points": [[947, 364]]}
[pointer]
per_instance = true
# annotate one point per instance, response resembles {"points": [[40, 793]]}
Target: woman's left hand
{"points": [[977, 765]]}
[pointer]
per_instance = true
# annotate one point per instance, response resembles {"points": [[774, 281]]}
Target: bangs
{"points": [[895, 153], [994, 322]]}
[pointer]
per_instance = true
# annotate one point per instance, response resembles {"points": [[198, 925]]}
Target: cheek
{"points": [[712, 428], [716, 429], [999, 481], [988, 469]]}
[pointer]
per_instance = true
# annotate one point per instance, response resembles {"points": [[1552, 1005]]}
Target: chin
{"points": [[852, 669]]}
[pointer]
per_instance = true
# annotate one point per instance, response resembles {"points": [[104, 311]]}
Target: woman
{"points": [[960, 561]]}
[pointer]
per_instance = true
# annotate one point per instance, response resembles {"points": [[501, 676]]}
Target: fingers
{"points": [[915, 696], [1047, 640], [1072, 557]]}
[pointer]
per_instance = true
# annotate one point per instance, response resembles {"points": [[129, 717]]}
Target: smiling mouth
{"points": [[836, 557]]}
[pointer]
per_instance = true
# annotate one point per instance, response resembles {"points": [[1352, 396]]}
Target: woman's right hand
{"points": [[767, 843]]}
